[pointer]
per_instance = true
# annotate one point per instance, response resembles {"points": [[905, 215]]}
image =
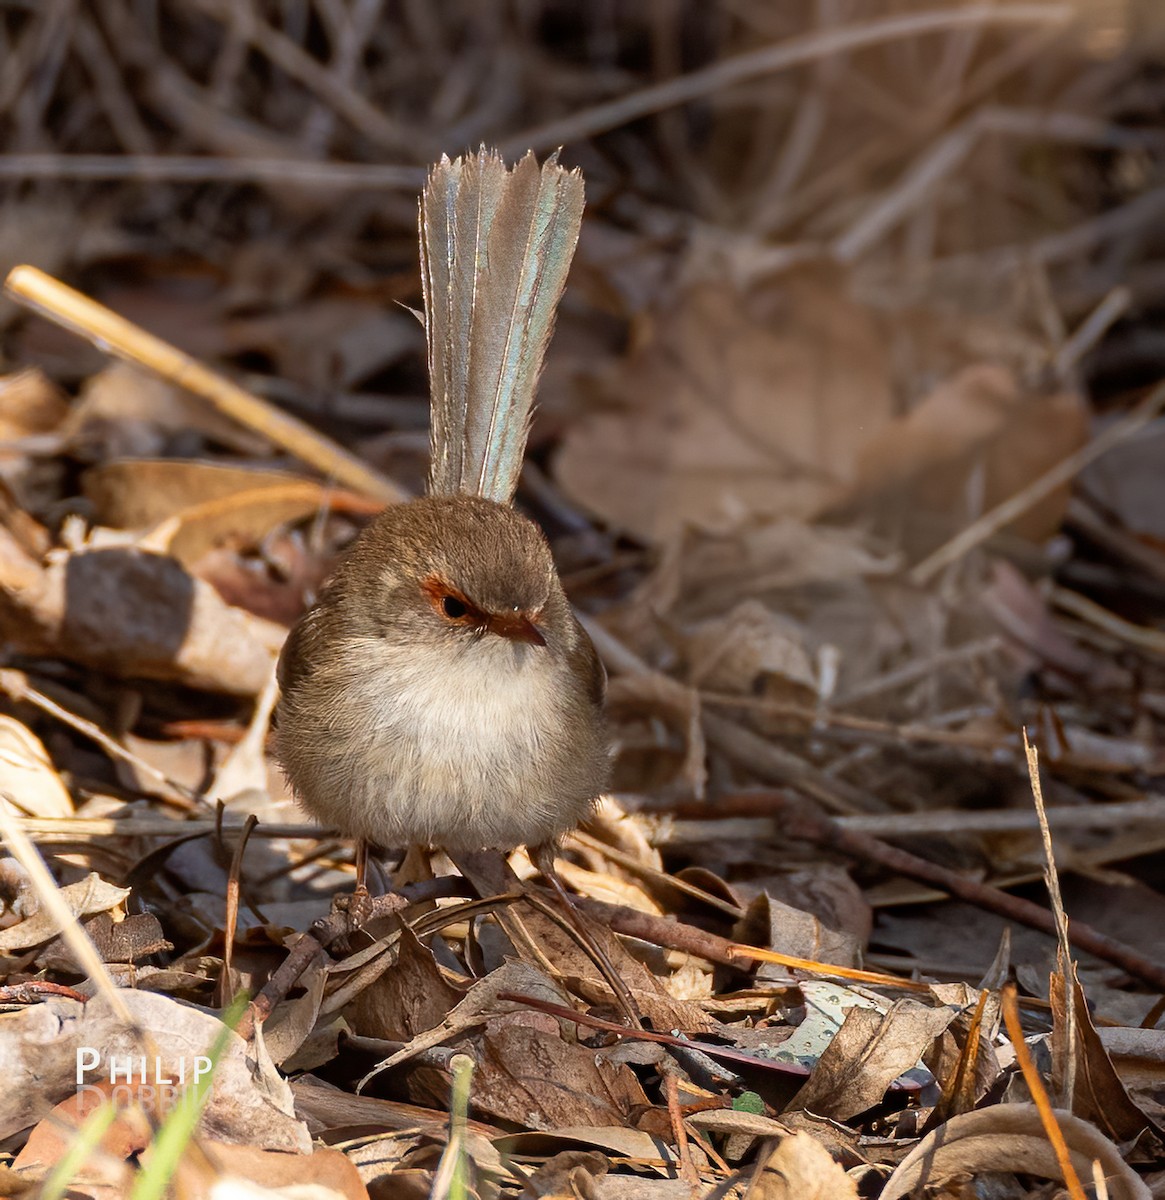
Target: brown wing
{"points": [[300, 649], [586, 664]]}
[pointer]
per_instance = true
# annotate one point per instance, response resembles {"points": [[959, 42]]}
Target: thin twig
{"points": [[114, 334], [801, 824], [1035, 1086], [178, 168], [769, 60], [15, 685], [1014, 506]]}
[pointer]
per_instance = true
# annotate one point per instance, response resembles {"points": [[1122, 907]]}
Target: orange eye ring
{"points": [[451, 605]]}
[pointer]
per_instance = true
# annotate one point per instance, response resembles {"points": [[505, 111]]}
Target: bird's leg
{"points": [[358, 905], [543, 858], [361, 868]]}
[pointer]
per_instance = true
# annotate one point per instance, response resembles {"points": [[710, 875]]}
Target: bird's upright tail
{"points": [[496, 246]]}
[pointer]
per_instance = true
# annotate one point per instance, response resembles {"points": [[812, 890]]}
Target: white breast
{"points": [[453, 755]]}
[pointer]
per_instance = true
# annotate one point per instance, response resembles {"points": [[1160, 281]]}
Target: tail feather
{"points": [[496, 246]]}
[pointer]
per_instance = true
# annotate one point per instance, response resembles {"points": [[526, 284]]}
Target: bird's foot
{"points": [[359, 907]]}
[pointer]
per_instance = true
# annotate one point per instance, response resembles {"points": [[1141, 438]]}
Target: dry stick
{"points": [[1064, 951], [1141, 636], [226, 987], [16, 686], [775, 765], [940, 160], [115, 335], [661, 931], [1003, 514], [178, 168], [1089, 332], [1118, 542], [770, 59], [126, 827], [688, 1170], [274, 45], [1035, 1085], [799, 823], [305, 951]]}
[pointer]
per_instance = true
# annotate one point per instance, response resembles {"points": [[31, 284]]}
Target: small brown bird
{"points": [[441, 691]]}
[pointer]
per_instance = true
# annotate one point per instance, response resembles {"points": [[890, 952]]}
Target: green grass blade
{"points": [[174, 1136], [87, 1140]]}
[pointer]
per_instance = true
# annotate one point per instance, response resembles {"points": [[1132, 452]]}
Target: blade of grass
{"points": [[178, 1128], [87, 1140], [451, 1181]]}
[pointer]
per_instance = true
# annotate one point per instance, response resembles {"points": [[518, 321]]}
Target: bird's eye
{"points": [[453, 608]]}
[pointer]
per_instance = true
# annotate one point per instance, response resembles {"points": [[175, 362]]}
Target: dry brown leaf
{"points": [[752, 651], [90, 895], [735, 408], [602, 885], [109, 1169], [771, 923], [868, 1053], [535, 1078], [568, 1173], [29, 783], [1011, 1137], [39, 1049], [413, 997], [245, 1172], [131, 1136], [189, 507], [628, 1143], [30, 403], [123, 411], [800, 1168], [966, 447], [1100, 1095], [133, 614]]}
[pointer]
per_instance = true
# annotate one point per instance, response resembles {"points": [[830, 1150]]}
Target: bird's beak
{"points": [[517, 627]]}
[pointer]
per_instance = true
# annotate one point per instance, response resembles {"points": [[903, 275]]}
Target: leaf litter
{"points": [[848, 298]]}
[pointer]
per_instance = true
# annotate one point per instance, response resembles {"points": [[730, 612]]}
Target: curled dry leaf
{"points": [[751, 650], [867, 1054], [800, 1168], [602, 885], [1010, 1137], [29, 783], [91, 895], [1099, 1093], [772, 923], [187, 507], [132, 613], [736, 407]]}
